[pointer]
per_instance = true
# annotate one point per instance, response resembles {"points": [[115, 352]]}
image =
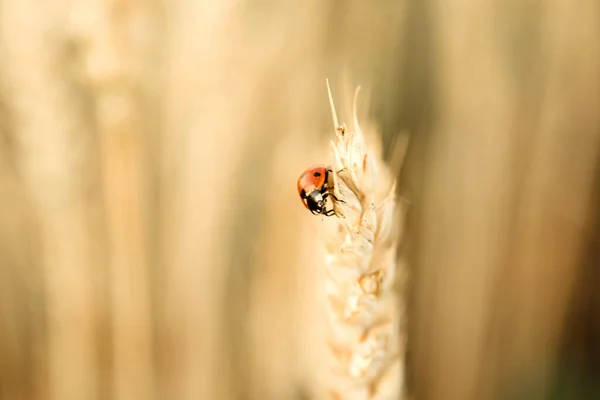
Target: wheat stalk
{"points": [[362, 265]]}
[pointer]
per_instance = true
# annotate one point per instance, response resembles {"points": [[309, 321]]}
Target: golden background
{"points": [[153, 245]]}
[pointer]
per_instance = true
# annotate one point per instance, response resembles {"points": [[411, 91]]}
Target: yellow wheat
{"points": [[364, 310]]}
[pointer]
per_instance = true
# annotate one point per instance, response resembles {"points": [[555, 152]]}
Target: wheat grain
{"points": [[364, 310]]}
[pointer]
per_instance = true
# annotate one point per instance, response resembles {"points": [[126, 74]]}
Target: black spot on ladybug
{"points": [[317, 174]]}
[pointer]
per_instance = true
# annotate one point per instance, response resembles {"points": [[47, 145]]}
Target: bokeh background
{"points": [[152, 245]]}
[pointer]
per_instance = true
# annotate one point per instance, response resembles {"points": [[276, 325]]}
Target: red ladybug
{"points": [[314, 186]]}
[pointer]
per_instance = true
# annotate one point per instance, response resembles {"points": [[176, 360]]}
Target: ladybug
{"points": [[314, 186]]}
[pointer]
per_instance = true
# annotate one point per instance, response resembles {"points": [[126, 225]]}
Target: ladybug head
{"points": [[315, 202]]}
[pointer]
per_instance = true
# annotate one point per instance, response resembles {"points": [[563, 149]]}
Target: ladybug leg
{"points": [[332, 211], [329, 213], [334, 197]]}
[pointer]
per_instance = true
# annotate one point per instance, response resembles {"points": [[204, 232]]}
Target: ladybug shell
{"points": [[313, 179]]}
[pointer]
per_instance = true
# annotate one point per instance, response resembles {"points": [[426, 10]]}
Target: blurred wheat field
{"points": [[152, 242]]}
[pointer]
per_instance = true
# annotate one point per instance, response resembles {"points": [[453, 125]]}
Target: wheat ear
{"points": [[364, 310]]}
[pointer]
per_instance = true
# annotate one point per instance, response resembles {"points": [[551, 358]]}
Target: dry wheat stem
{"points": [[364, 310]]}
